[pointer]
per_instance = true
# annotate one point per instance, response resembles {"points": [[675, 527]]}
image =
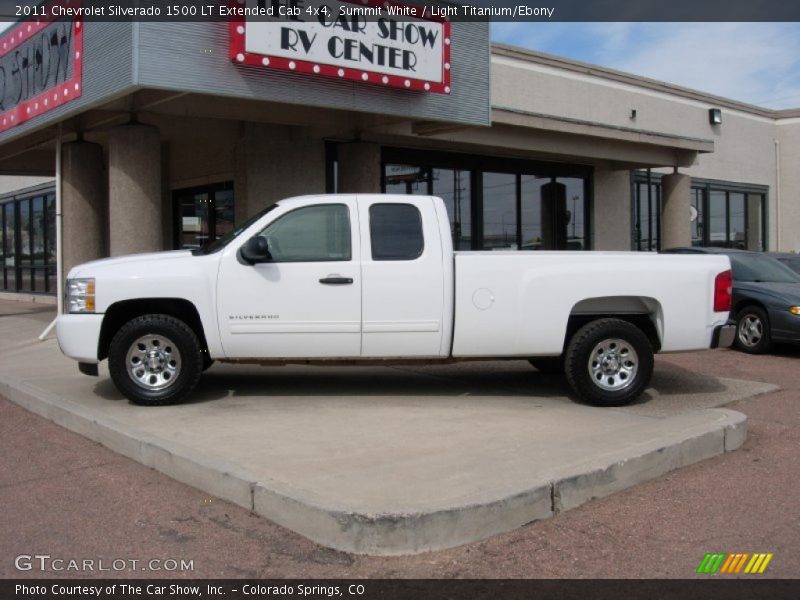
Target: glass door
{"points": [[202, 214]]}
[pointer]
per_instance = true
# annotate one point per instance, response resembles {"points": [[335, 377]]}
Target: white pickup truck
{"points": [[338, 279]]}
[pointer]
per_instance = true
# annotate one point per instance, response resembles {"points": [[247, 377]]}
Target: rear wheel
{"points": [[752, 330], [609, 362], [155, 360]]}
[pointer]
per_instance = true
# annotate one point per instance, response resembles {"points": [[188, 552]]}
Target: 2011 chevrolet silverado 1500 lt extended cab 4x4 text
{"points": [[373, 278]]}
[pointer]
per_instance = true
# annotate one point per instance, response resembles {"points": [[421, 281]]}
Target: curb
{"points": [[392, 533]]}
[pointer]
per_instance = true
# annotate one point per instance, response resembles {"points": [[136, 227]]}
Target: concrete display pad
{"points": [[381, 460]]}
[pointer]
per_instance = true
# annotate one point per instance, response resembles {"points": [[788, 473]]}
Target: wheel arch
{"points": [[123, 311], [743, 303], [643, 312]]}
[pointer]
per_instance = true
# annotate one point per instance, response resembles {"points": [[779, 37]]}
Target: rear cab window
{"points": [[395, 231]]}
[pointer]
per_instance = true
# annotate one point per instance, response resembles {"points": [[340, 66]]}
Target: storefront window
{"points": [[223, 212], [27, 244], [10, 263], [38, 246], [572, 216], [2, 248], [454, 187], [50, 242], [203, 214], [726, 215], [696, 216], [647, 212], [24, 250], [736, 221], [500, 211], [498, 203], [717, 225], [407, 179]]}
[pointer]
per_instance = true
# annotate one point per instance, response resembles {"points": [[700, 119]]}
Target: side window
{"points": [[396, 231], [310, 234]]}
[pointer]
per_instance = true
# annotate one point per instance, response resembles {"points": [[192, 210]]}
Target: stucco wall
{"points": [[276, 162], [201, 151], [789, 217], [524, 85], [744, 144]]}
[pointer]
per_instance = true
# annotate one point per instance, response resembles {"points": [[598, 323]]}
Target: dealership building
{"points": [[165, 135]]}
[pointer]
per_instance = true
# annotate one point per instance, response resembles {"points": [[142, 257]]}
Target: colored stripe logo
{"points": [[733, 564]]}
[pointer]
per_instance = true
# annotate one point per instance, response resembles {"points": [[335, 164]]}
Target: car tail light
{"points": [[723, 291]]}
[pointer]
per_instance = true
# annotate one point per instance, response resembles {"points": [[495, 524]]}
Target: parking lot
{"points": [[56, 483]]}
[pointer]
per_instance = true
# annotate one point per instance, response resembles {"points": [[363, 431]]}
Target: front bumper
{"points": [[79, 336], [724, 335]]}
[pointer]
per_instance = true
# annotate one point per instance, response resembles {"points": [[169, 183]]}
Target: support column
{"points": [[675, 210], [611, 210], [134, 190], [83, 203], [274, 162], [359, 168]]}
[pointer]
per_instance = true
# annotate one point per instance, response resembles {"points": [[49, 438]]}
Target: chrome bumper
{"points": [[723, 335]]}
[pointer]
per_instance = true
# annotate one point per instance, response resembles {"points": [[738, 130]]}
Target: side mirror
{"points": [[255, 250]]}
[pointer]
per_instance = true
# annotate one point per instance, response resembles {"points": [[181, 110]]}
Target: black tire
{"points": [[548, 364], [170, 360], [623, 370], [752, 330]]}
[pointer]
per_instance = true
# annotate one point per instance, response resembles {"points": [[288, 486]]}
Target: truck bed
{"points": [[512, 303]]}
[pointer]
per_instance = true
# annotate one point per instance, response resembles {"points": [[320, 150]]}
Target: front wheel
{"points": [[155, 360], [609, 362], [752, 330]]}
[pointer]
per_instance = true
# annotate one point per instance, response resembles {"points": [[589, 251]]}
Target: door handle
{"points": [[336, 280]]}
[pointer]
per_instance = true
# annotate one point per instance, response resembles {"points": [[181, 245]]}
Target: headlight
{"points": [[795, 310], [80, 295]]}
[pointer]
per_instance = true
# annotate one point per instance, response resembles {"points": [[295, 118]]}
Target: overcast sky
{"points": [[757, 63]]}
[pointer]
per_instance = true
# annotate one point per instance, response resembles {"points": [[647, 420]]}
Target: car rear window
{"points": [[747, 267]]}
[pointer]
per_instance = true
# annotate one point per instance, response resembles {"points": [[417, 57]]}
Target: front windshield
{"points": [[753, 267], [226, 239]]}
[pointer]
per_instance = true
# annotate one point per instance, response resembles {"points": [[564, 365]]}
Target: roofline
{"points": [[567, 64]]}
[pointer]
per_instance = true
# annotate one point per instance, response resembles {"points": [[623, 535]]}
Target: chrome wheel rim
{"points": [[751, 330], [153, 362], [613, 364]]}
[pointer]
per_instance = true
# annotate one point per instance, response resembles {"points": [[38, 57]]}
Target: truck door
{"points": [[403, 275], [304, 302]]}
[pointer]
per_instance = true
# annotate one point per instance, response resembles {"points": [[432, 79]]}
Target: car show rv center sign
{"points": [[41, 64], [370, 41]]}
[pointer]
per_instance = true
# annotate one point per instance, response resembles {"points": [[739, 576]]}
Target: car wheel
{"points": [[752, 330], [548, 364], [155, 360], [609, 362]]}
